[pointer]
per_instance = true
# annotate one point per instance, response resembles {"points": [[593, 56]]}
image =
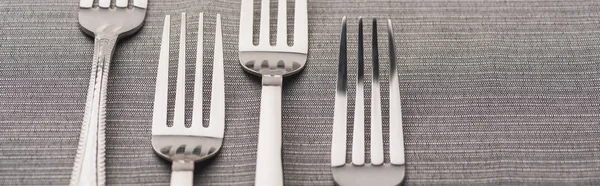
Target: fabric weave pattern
{"points": [[497, 92]]}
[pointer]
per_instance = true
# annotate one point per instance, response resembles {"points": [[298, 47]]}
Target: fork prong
{"points": [[282, 23], [179, 113], [338, 138], [159, 116], [265, 16], [376, 125], [140, 3], [104, 3], [358, 136], [301, 26], [86, 3], [122, 3], [197, 117], [396, 131], [217, 105], [246, 24]]}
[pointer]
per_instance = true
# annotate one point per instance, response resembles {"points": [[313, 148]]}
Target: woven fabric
{"points": [[498, 92]]}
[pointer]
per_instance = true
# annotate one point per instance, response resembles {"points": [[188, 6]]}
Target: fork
{"points": [[107, 22], [358, 172], [180, 144], [272, 63]]}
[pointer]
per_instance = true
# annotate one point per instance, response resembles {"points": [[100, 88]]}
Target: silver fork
{"points": [[272, 63], [359, 173], [107, 21], [180, 144]]}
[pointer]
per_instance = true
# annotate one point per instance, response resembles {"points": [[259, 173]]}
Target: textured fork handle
{"points": [[89, 161], [269, 170]]}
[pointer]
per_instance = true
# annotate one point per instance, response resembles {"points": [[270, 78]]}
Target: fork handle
{"points": [[269, 170], [89, 161], [182, 173]]}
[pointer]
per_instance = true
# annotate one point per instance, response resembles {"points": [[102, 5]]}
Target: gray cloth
{"points": [[493, 92]]}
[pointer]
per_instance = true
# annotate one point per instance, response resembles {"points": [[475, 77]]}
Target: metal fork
{"points": [[180, 144], [359, 173], [272, 63], [107, 21]]}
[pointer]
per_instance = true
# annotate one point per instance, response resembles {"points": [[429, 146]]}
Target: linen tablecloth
{"points": [[496, 92]]}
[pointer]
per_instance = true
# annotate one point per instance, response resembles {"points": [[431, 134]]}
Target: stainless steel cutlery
{"points": [[358, 172], [110, 20], [180, 144], [107, 22], [272, 63]]}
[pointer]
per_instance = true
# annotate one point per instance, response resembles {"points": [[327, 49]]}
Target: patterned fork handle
{"points": [[92, 139], [106, 23]]}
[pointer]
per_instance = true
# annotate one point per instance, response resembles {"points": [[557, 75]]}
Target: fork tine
{"points": [[301, 26], [376, 128], [282, 23], [159, 116], [246, 24], [358, 136], [396, 131], [86, 3], [264, 22], [122, 3], [140, 3], [197, 118], [104, 3], [179, 113], [338, 138], [217, 104]]}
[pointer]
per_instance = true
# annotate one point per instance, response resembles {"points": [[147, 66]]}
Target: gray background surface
{"points": [[494, 92]]}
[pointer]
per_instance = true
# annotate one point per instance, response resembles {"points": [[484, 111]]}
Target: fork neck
{"points": [[106, 35], [105, 43], [182, 165], [272, 80]]}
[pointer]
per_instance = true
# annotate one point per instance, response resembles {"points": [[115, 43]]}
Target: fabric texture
{"points": [[497, 92]]}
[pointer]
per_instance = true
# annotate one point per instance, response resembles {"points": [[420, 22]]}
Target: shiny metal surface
{"points": [[272, 63], [106, 24], [396, 131], [358, 135], [338, 145], [376, 172], [180, 144], [376, 119]]}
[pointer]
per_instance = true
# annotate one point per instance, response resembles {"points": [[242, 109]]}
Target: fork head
{"points": [[358, 173], [279, 59], [179, 143], [386, 174], [118, 19], [186, 148]]}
